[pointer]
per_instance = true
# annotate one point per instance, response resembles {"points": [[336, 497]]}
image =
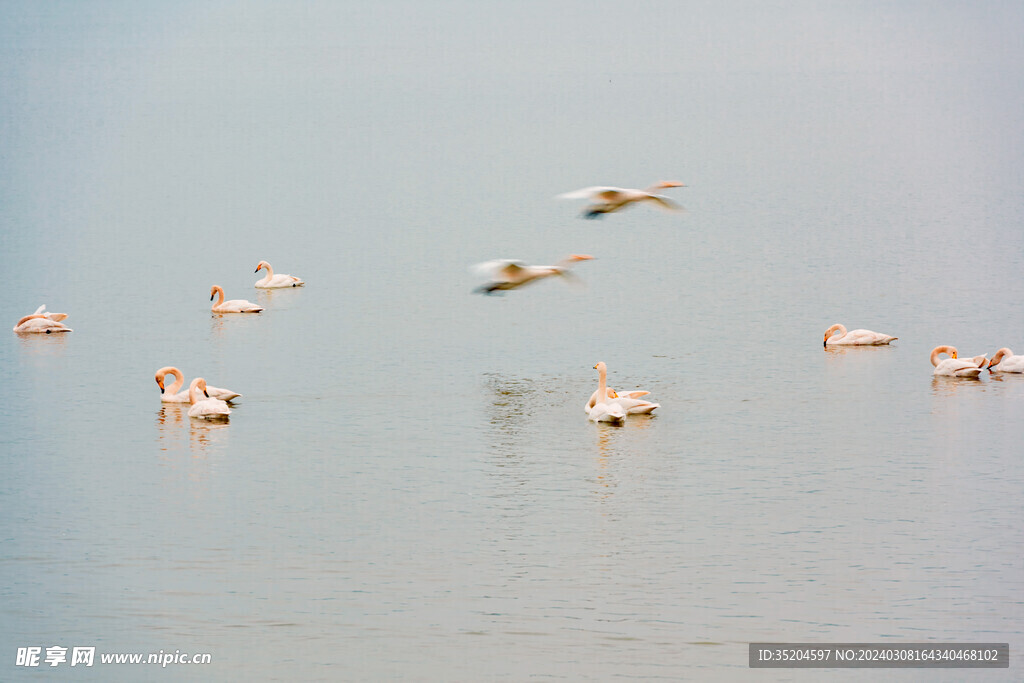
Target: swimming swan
{"points": [[855, 337], [232, 306], [1005, 361], [202, 405], [628, 400], [271, 281], [603, 411], [171, 394], [42, 322], [953, 366]]}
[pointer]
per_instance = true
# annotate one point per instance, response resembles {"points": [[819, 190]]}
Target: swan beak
{"points": [[213, 295], [160, 384], [825, 342], [206, 394], [953, 355], [257, 269]]}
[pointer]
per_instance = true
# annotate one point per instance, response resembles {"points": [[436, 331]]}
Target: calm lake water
{"points": [[408, 488]]}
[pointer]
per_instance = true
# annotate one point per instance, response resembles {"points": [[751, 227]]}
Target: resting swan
{"points": [[953, 366], [629, 400], [202, 405], [232, 306], [612, 199], [1005, 361], [271, 281], [171, 394], [855, 337], [42, 322]]}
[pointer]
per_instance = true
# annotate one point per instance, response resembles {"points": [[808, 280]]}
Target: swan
{"points": [[509, 274], [612, 199], [208, 408], [953, 366], [1005, 361], [171, 395], [628, 400], [232, 306], [603, 411], [271, 281], [855, 337], [42, 322]]}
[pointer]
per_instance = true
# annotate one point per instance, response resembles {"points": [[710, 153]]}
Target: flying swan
{"points": [[505, 274], [611, 199]]}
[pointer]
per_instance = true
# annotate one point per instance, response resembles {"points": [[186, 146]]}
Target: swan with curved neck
{"points": [[171, 393], [605, 410], [955, 366], [628, 400], [1005, 361], [611, 199], [202, 405], [837, 335], [279, 281], [232, 306]]}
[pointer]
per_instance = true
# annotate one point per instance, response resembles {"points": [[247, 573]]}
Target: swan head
{"points": [[951, 350], [601, 367], [1000, 354], [214, 290], [832, 330], [669, 183], [262, 264], [576, 258], [198, 385]]}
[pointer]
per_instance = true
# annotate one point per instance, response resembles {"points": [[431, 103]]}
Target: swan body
{"points": [[954, 366], [629, 401], [855, 337], [42, 322], [611, 199], [172, 395], [505, 274], [202, 405], [279, 281], [1005, 361], [232, 306]]}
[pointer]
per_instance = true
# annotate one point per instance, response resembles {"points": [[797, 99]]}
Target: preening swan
{"points": [[202, 405], [953, 366], [855, 337], [1005, 361], [612, 199], [42, 322], [271, 281], [509, 274], [171, 394], [628, 400], [232, 306], [603, 410]]}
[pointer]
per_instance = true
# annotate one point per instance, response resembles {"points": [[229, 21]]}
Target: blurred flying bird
{"points": [[612, 199], [510, 274]]}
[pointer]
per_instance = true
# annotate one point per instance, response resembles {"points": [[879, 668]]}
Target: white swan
{"points": [[855, 337], [271, 281], [232, 306], [612, 199], [42, 322], [603, 411], [171, 394], [1005, 361], [953, 366], [202, 405], [629, 400], [507, 274]]}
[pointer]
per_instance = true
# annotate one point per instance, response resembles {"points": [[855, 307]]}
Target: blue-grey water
{"points": [[408, 488]]}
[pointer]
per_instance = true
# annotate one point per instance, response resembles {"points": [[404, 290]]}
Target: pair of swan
{"points": [[611, 199], [605, 405], [838, 336], [42, 322], [507, 274], [955, 366], [171, 394], [271, 281], [205, 406]]}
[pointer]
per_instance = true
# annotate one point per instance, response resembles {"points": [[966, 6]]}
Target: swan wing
{"points": [[597, 192]]}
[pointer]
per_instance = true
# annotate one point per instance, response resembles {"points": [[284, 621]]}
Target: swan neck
{"points": [[179, 381]]}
